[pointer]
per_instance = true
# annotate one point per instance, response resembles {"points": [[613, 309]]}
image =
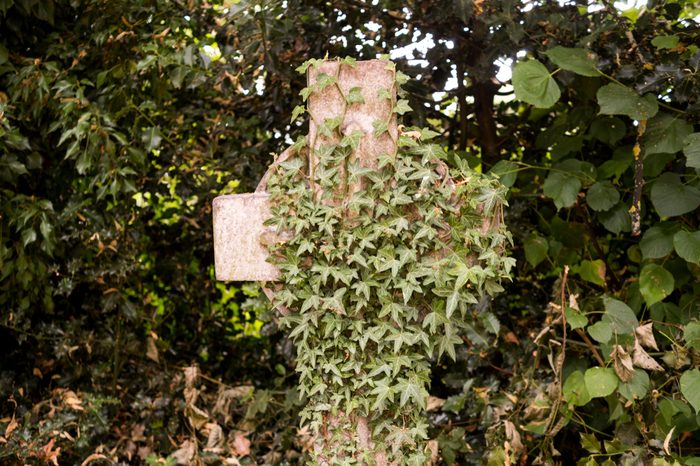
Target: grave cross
{"points": [[239, 253]]}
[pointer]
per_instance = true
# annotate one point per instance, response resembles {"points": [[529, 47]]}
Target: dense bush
{"points": [[120, 120]]}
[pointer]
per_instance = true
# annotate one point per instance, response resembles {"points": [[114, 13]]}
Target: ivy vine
{"points": [[380, 280]]}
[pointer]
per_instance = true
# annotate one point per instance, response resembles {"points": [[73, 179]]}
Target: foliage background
{"points": [[121, 120]]}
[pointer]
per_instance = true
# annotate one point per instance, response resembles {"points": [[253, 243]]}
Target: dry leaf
{"points": [[241, 444], [11, 427], [643, 360], [191, 375], [573, 304], [215, 439], [197, 417], [434, 403], [622, 362], [186, 453], [645, 335], [72, 400], [434, 448], [93, 457], [513, 436], [667, 440], [152, 350]]}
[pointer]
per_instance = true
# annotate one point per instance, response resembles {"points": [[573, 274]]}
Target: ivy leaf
{"points": [[687, 245], [383, 392], [602, 196], [402, 107], [690, 388], [355, 96], [671, 197], [657, 241], [535, 249], [616, 99], [452, 303], [600, 381], [298, 110], [534, 84], [691, 149], [666, 134], [563, 188], [580, 61], [655, 283]]}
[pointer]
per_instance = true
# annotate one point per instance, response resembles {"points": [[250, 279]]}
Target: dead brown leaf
{"points": [[93, 457], [241, 444], [152, 350], [11, 427], [71, 399], [622, 362], [434, 403], [645, 335], [643, 360]]}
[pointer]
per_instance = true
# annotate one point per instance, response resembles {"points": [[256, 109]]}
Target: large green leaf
{"points": [[608, 129], [621, 317], [534, 84], [637, 387], [690, 388], [574, 389], [657, 241], [671, 197], [691, 149], [580, 61], [616, 219], [506, 171], [655, 283], [602, 196], [691, 335], [665, 42], [563, 188], [593, 271], [601, 331], [600, 381], [665, 134], [535, 249], [616, 99], [687, 245]]}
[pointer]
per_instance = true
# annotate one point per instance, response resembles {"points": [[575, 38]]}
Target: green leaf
{"points": [[593, 271], [691, 149], [637, 387], [600, 381], [355, 96], [665, 42], [671, 197], [535, 249], [600, 331], [298, 110], [687, 245], [616, 99], [402, 107], [655, 283], [506, 171], [575, 319], [691, 335], [590, 443], [608, 130], [574, 389], [580, 61], [616, 219], [602, 196], [621, 317], [534, 84], [657, 241], [690, 388], [563, 188], [666, 134], [151, 138]]}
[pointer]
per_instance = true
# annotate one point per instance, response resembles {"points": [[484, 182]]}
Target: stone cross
{"points": [[239, 253]]}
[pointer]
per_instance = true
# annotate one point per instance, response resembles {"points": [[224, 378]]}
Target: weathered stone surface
{"points": [[239, 254]]}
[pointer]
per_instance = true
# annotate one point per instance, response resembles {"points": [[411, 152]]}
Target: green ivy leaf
{"points": [[690, 388], [687, 245], [298, 110], [535, 249], [655, 283], [563, 188], [355, 96], [671, 197], [402, 107], [665, 42], [666, 134], [600, 381], [534, 84], [602, 196], [616, 99], [580, 61], [691, 149]]}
